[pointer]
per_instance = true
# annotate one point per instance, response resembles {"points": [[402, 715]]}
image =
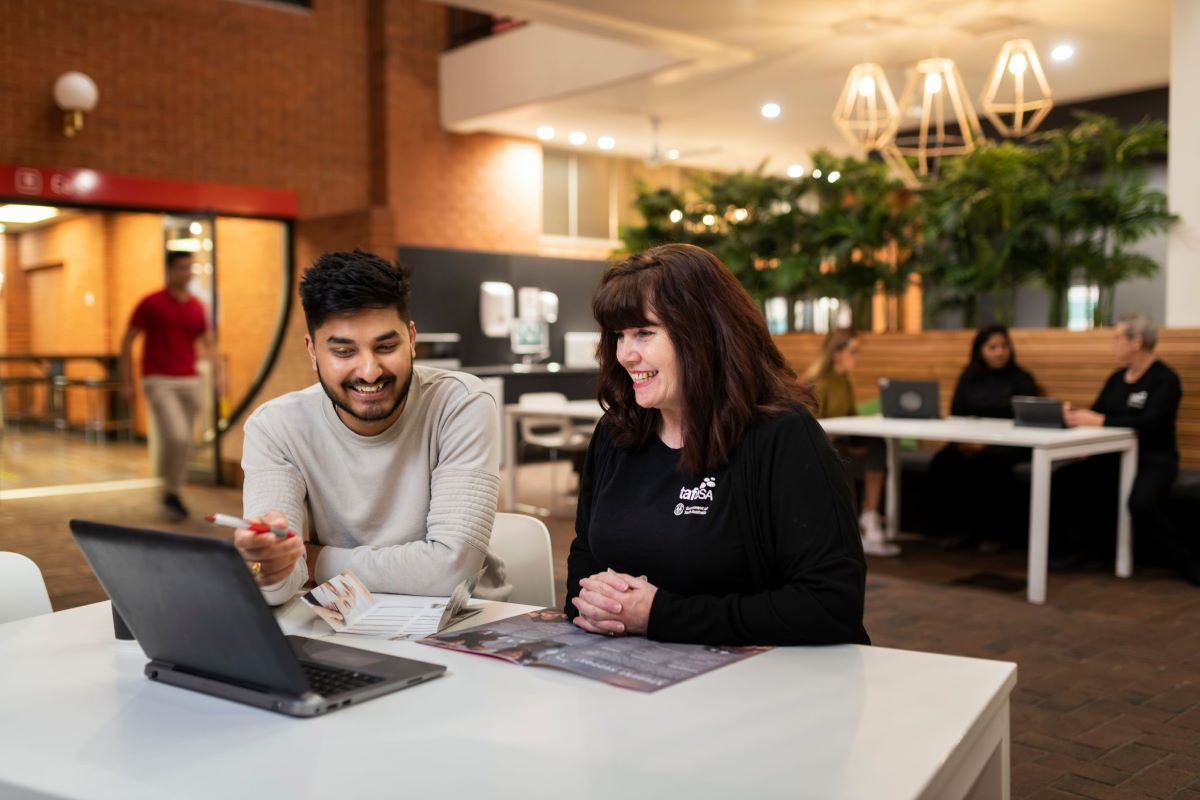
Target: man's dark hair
{"points": [[174, 256], [340, 282]]}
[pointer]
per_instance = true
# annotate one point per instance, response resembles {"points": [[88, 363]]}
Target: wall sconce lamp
{"points": [[75, 93]]}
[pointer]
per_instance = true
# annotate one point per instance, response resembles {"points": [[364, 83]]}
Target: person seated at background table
{"points": [[394, 466], [865, 457], [1143, 394], [712, 508], [974, 482]]}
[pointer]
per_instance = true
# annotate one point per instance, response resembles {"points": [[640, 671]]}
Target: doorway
{"points": [[69, 283]]}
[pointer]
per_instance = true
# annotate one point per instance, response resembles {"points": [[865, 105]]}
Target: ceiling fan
{"points": [[659, 156]]}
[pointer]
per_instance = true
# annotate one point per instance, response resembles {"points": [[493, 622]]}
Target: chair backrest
{"points": [[22, 590], [524, 544], [551, 432]]}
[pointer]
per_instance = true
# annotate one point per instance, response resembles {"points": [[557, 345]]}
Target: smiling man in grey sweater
{"points": [[390, 469]]}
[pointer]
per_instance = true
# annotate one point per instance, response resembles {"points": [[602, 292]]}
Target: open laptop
{"points": [[193, 607], [1037, 412], [909, 399]]}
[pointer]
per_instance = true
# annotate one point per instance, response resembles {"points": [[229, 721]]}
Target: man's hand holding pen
{"points": [[269, 556]]}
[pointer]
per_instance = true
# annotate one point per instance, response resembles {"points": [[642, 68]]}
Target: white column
{"points": [[1183, 168]]}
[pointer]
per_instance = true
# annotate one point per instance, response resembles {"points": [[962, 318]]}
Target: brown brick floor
{"points": [[1108, 699]]}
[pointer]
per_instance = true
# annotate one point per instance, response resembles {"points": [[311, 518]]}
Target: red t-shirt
{"points": [[171, 328]]}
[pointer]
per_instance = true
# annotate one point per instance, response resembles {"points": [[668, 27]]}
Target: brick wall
{"points": [[339, 105], [203, 90]]}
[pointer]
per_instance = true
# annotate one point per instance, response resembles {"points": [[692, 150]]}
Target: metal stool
{"points": [[104, 410], [25, 384]]}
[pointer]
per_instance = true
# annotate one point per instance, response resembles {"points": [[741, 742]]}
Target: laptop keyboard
{"points": [[328, 681]]}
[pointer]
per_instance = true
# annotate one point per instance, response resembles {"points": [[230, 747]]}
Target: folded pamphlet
{"points": [[349, 607]]}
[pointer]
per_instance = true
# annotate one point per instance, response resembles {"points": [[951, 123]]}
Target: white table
{"points": [[80, 720], [1048, 444], [589, 410]]}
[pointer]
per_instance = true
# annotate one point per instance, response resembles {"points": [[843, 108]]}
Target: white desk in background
{"points": [[589, 410], [1048, 444], [81, 721]]}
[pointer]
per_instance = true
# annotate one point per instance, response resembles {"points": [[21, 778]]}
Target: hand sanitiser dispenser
{"points": [[496, 307]]}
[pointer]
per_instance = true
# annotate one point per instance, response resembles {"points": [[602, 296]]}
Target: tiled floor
{"points": [[1108, 699]]}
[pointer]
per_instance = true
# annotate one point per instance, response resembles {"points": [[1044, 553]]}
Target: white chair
{"points": [[556, 434], [22, 590], [524, 544]]}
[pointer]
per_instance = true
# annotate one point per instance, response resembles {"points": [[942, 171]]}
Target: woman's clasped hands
{"points": [[614, 603]]}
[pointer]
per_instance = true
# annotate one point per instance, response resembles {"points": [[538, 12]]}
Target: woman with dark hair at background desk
{"points": [[974, 482], [712, 508]]}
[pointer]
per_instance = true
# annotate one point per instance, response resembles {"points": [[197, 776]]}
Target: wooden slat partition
{"points": [[1067, 365]]}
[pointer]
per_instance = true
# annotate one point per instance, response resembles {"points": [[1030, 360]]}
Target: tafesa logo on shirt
{"points": [[702, 493]]}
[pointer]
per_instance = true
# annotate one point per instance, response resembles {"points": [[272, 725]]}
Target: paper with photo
{"points": [[346, 604], [545, 638]]}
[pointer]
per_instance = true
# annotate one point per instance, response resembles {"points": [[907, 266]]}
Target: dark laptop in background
{"points": [[199, 616], [909, 399], [1037, 412]]}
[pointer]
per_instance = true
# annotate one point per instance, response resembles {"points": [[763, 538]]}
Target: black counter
{"points": [[577, 383]]}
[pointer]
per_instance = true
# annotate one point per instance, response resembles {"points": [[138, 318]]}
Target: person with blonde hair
{"points": [[864, 457], [1144, 394]]}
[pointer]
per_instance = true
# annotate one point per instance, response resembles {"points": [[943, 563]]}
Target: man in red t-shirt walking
{"points": [[174, 322]]}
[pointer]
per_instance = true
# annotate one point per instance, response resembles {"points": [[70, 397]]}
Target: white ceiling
{"points": [[743, 53]]}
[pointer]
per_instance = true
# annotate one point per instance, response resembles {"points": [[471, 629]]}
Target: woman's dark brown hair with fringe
{"points": [[731, 372]]}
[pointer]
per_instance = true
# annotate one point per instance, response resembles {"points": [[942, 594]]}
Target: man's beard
{"points": [[374, 416]]}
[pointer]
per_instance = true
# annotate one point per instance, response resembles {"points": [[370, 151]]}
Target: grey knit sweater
{"points": [[410, 511]]}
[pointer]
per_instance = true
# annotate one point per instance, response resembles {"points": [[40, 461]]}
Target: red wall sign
{"points": [[90, 187]]}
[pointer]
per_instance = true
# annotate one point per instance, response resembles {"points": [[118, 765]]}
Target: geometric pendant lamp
{"points": [[942, 118], [866, 113], [1016, 97]]}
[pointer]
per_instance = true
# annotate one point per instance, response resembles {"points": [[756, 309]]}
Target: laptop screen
{"points": [[190, 602]]}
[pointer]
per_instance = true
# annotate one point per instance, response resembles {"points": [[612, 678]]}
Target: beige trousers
{"points": [[174, 403]]}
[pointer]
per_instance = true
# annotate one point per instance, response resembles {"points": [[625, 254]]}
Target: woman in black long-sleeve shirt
{"points": [[712, 508], [974, 482], [1143, 394]]}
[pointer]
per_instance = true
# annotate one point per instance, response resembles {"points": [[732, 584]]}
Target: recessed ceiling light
{"points": [[816, 173], [606, 143], [673, 154], [545, 133], [577, 138], [795, 171], [771, 110], [1062, 52], [676, 215], [833, 176], [19, 214]]}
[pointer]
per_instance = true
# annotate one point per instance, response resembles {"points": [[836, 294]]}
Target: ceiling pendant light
{"points": [[1016, 97], [866, 113], [944, 121]]}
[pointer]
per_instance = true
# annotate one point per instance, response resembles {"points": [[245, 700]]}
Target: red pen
{"points": [[258, 527]]}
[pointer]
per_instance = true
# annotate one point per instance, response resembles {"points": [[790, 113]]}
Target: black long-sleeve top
{"points": [[1149, 405], [764, 550], [990, 393]]}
